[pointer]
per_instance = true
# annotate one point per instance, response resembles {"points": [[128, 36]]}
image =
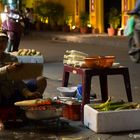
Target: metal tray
{"points": [[43, 114]]}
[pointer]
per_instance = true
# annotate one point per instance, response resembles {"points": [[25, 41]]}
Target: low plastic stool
{"points": [[88, 73], [8, 113]]}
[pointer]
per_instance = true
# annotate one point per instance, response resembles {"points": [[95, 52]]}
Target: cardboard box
{"points": [[30, 59], [31, 67], [111, 121], [26, 71]]}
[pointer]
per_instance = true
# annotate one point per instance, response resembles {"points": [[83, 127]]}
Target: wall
{"points": [[96, 14], [126, 6], [1, 9]]}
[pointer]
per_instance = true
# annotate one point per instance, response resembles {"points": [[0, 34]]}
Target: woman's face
{"points": [[3, 44]]}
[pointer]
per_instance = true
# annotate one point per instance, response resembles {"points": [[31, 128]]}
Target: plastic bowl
{"points": [[106, 61], [67, 91], [99, 61], [92, 62]]}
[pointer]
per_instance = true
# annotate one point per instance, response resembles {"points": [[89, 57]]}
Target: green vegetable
{"points": [[102, 105], [127, 106]]}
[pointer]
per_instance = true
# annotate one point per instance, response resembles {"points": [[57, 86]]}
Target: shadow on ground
{"points": [[38, 130]]}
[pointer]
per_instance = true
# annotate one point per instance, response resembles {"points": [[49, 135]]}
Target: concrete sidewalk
{"points": [[94, 39]]}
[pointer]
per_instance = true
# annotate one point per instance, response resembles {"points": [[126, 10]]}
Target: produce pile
{"points": [[39, 104], [75, 58], [28, 52], [115, 106]]}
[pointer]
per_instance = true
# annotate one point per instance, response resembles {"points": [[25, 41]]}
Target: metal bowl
{"points": [[43, 114], [67, 91]]}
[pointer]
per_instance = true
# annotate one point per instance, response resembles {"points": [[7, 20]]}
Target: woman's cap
{"points": [[3, 35]]}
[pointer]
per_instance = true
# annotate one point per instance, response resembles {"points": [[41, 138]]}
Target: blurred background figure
{"points": [[13, 28], [28, 20], [5, 13], [136, 8]]}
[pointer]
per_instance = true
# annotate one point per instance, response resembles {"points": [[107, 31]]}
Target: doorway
{"points": [[108, 4], [87, 6]]}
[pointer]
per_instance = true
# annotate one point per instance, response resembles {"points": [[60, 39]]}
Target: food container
{"points": [[99, 61], [38, 109], [111, 121], [28, 59], [106, 61], [92, 62], [67, 91], [72, 112]]}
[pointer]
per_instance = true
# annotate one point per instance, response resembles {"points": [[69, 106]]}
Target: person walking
{"points": [[28, 20], [136, 8]]}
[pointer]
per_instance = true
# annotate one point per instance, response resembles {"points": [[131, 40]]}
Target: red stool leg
{"points": [[65, 79], [7, 113], [86, 87], [104, 87], [127, 85]]}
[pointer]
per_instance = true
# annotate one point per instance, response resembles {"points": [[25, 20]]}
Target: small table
{"points": [[88, 73]]}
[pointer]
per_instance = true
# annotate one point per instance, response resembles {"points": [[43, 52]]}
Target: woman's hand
{"points": [[1, 125], [13, 67], [34, 95]]}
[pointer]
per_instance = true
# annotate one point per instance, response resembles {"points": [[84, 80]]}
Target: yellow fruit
{"points": [[33, 51]]}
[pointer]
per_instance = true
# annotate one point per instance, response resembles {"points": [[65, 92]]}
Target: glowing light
{"points": [[89, 25], [10, 1], [3, 16], [73, 27]]}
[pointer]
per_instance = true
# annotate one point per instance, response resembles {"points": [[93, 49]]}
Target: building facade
{"points": [[97, 10]]}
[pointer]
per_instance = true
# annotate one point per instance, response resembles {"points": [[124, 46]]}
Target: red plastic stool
{"points": [[8, 113], [88, 73]]}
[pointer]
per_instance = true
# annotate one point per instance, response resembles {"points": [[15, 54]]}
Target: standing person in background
{"points": [[13, 29], [5, 13], [28, 20], [136, 8], [32, 19], [135, 20]]}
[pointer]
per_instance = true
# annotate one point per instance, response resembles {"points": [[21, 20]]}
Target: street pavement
{"points": [[53, 70]]}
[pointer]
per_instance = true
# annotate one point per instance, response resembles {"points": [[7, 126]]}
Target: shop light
{"points": [[73, 27], [3, 16], [10, 1], [89, 25]]}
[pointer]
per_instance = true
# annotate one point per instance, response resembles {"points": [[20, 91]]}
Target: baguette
{"points": [[74, 57], [26, 103], [74, 52]]}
